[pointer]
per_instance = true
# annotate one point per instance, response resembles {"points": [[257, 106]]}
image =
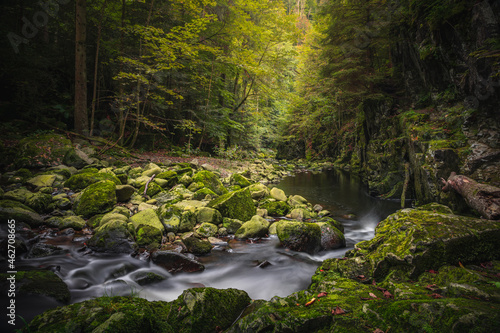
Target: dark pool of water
{"points": [[234, 265]]}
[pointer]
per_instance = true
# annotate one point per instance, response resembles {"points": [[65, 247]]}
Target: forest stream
{"points": [[260, 267]]}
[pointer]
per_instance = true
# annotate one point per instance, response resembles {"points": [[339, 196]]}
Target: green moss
{"points": [[203, 192], [276, 208], [299, 236], [256, 227], [146, 235], [97, 198], [210, 180], [15, 210], [197, 246], [237, 205], [153, 189], [82, 180]]}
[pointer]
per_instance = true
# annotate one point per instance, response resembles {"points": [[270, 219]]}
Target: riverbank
{"points": [[426, 268]]}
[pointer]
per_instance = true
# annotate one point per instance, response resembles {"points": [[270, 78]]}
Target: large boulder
{"points": [[231, 225], [124, 192], [239, 180], [76, 158], [299, 236], [13, 210], [236, 205], [207, 230], [278, 194], [331, 237], [258, 191], [97, 198], [210, 180], [208, 215], [256, 227], [41, 181], [112, 237], [197, 246], [74, 222], [276, 208]]}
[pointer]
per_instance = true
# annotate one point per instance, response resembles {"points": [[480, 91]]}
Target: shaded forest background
{"points": [[232, 77]]}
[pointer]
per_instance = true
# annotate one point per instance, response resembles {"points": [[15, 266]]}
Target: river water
{"points": [[233, 265]]}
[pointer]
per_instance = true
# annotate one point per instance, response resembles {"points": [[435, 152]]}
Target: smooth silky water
{"points": [[231, 265]]}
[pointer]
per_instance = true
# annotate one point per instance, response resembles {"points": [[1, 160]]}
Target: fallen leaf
{"points": [[387, 294], [338, 311], [360, 276], [432, 271], [372, 295], [310, 302], [431, 287], [322, 295], [378, 330], [436, 295]]}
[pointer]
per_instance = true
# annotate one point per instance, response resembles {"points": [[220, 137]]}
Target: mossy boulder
{"points": [[278, 194], [258, 191], [40, 250], [301, 214], [146, 278], [203, 192], [21, 213], [151, 169], [77, 158], [207, 229], [21, 195], [113, 216], [299, 236], [236, 205], [82, 180], [74, 222], [276, 208], [256, 227], [332, 222], [148, 227], [418, 240], [210, 180], [39, 202], [170, 176], [152, 190], [331, 237], [124, 192], [239, 180], [297, 201], [97, 198], [41, 181], [43, 283], [43, 150], [208, 215], [197, 246], [112, 237], [231, 225]]}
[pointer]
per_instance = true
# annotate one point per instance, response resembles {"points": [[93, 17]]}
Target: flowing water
{"points": [[236, 264]]}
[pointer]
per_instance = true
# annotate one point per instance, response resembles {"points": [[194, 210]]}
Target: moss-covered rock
{"points": [[75, 222], [112, 237], [203, 192], [113, 216], [41, 181], [44, 150], [208, 215], [299, 236], [276, 208], [40, 250], [207, 229], [148, 227], [278, 194], [21, 195], [44, 283], [332, 222], [146, 278], [39, 202], [197, 246], [15, 210], [239, 180], [77, 158], [231, 225], [331, 237], [82, 180], [210, 180], [236, 205], [256, 227], [97, 198], [297, 201], [258, 191], [302, 214], [124, 192]]}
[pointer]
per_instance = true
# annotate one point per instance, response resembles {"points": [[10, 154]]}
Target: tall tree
{"points": [[80, 114]]}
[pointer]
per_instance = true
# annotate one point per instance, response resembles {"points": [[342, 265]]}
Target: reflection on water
{"points": [[235, 265]]}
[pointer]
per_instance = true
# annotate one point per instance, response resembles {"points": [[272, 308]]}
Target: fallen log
{"points": [[485, 199]]}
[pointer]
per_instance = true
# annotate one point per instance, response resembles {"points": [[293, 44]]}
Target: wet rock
{"points": [[334, 223], [176, 262], [124, 192], [299, 236], [96, 198], [236, 205], [331, 237], [210, 180], [256, 227], [15, 210], [45, 250], [197, 246], [44, 283], [145, 278]]}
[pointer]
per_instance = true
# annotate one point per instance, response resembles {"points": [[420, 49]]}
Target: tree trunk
{"points": [[80, 114], [483, 198]]}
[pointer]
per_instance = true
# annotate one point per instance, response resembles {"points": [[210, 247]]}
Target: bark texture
{"points": [[483, 198]]}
